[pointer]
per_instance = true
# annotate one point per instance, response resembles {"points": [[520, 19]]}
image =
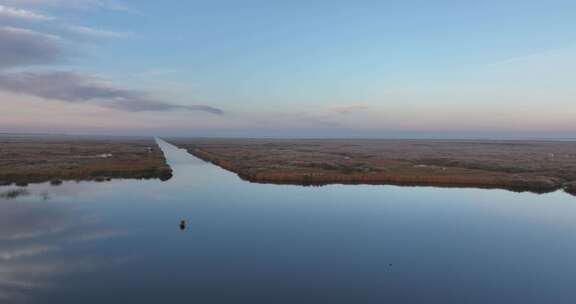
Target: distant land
{"points": [[517, 165], [53, 158]]}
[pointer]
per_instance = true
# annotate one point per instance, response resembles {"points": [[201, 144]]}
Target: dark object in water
{"points": [[183, 225], [55, 182], [12, 194], [165, 175]]}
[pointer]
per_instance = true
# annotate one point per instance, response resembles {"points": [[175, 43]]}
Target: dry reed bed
{"points": [[31, 159], [536, 166]]}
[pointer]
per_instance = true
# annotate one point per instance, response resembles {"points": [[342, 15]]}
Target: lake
{"points": [[120, 242]]}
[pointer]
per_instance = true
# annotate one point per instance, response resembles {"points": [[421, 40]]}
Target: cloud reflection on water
{"points": [[34, 239]]}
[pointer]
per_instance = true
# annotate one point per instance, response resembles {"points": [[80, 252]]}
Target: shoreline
{"points": [[55, 180]]}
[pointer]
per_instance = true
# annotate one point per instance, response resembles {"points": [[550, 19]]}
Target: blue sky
{"points": [[289, 68]]}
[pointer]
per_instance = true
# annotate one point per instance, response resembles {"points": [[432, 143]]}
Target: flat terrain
{"points": [[537, 166], [27, 159]]}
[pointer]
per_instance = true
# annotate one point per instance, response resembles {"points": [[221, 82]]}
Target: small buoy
{"points": [[182, 224]]}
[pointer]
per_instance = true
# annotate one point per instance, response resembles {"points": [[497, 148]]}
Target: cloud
{"points": [[23, 47], [347, 109], [89, 32], [73, 4], [7, 12], [72, 31], [26, 251], [80, 88], [20, 48]]}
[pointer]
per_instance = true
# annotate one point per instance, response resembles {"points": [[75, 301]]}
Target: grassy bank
{"points": [[514, 165], [33, 159]]}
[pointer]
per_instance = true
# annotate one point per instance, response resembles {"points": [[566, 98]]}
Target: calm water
{"points": [[119, 242]]}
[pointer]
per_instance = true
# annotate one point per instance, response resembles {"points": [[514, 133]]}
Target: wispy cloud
{"points": [[89, 32], [347, 109], [25, 251], [23, 47], [80, 88], [73, 4], [7, 12], [54, 25]]}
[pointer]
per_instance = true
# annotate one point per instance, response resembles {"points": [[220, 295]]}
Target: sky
{"points": [[300, 68]]}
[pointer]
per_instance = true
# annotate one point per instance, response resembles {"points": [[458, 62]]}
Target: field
{"points": [[536, 166], [30, 158]]}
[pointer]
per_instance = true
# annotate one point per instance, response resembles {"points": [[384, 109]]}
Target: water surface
{"points": [[120, 242]]}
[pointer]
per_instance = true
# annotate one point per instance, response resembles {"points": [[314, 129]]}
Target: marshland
{"points": [[536, 166], [93, 242], [53, 158]]}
